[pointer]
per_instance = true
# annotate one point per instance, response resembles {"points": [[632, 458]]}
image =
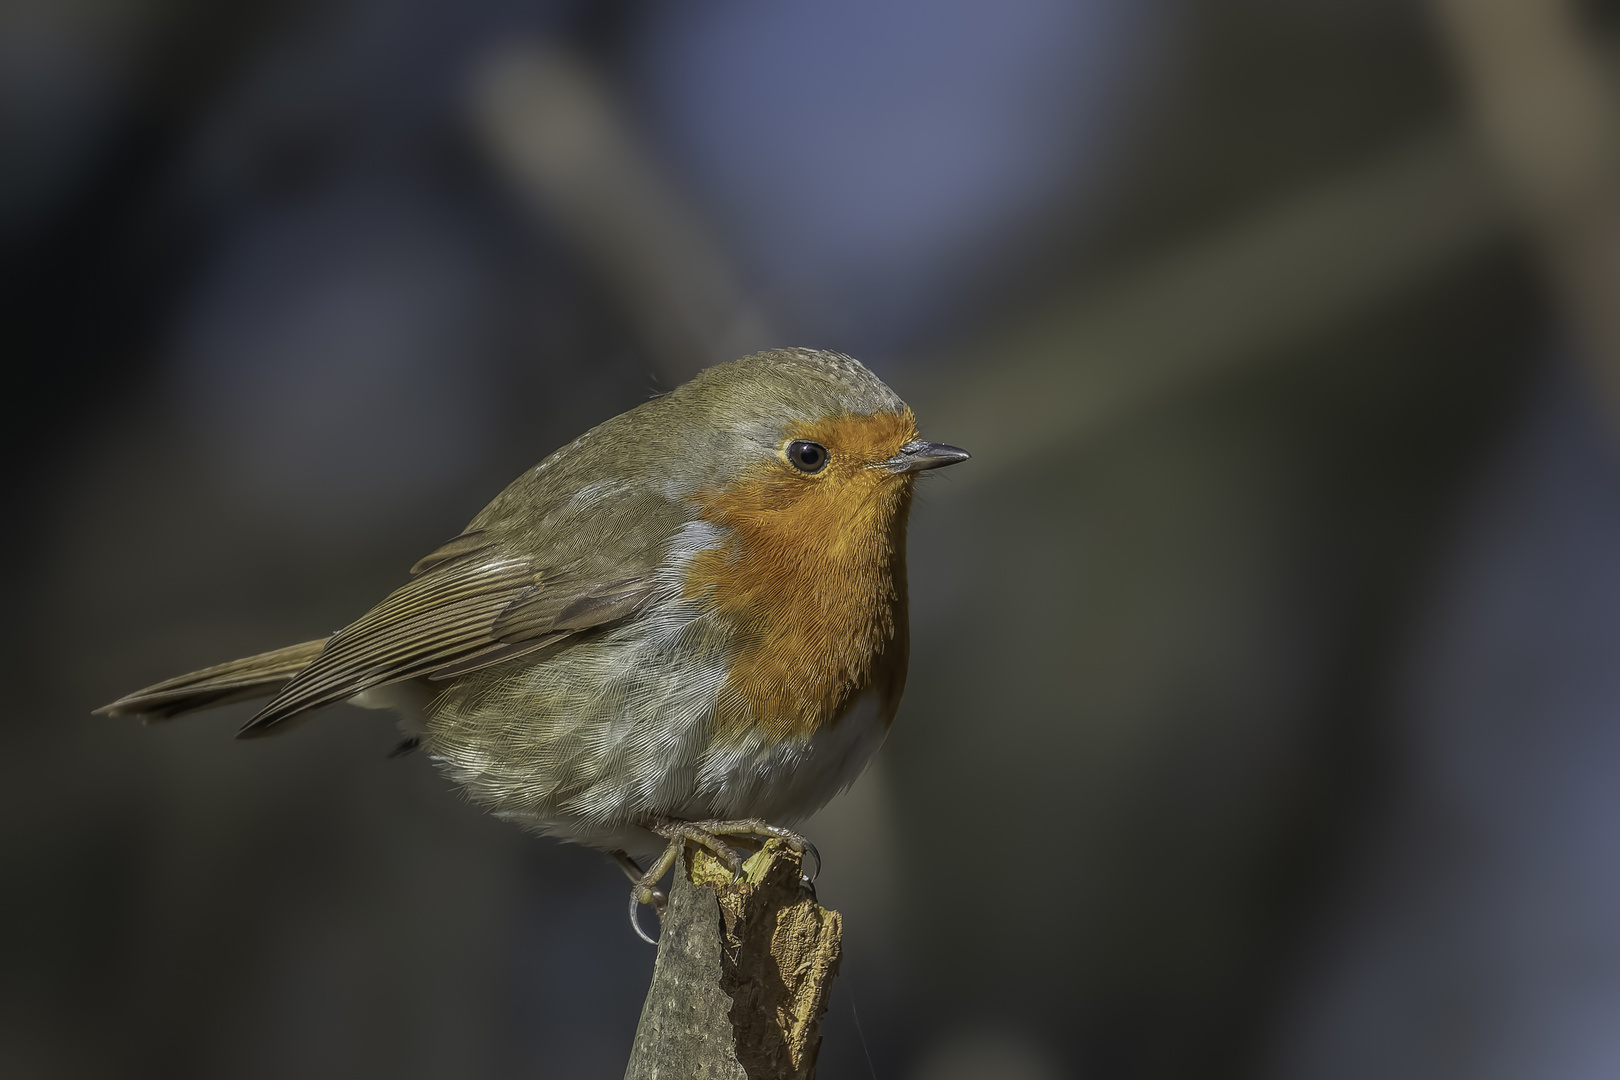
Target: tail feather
{"points": [[239, 680]]}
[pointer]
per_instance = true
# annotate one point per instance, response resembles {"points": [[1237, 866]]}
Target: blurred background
{"points": [[1263, 709]]}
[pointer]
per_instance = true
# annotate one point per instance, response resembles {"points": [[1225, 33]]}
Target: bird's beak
{"points": [[917, 455]]}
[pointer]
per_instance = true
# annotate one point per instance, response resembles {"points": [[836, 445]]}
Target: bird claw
{"points": [[646, 892], [810, 849], [637, 898]]}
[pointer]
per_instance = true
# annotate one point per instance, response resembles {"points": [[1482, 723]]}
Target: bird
{"points": [[687, 625]]}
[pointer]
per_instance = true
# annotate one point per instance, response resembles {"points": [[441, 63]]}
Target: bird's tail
{"points": [[238, 680]]}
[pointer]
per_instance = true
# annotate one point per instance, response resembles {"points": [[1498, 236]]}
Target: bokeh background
{"points": [[1265, 705]]}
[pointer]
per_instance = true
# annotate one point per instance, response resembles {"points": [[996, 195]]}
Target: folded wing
{"points": [[470, 604]]}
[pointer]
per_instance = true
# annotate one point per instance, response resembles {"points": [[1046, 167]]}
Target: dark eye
{"points": [[809, 457]]}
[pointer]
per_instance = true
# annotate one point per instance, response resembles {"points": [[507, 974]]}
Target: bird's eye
{"points": [[806, 456]]}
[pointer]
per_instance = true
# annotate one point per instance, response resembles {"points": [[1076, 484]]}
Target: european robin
{"points": [[687, 624]]}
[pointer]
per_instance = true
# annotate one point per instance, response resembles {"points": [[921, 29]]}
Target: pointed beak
{"points": [[917, 455]]}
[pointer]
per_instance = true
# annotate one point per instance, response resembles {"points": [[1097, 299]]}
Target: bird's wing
{"points": [[469, 604]]}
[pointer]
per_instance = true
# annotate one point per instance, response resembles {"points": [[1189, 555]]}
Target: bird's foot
{"points": [[706, 834], [758, 829]]}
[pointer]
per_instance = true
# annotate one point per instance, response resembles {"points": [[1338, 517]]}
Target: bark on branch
{"points": [[743, 974]]}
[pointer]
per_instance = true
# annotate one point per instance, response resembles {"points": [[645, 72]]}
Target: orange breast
{"points": [[813, 580]]}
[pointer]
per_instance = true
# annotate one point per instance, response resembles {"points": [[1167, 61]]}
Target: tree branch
{"points": [[743, 974]]}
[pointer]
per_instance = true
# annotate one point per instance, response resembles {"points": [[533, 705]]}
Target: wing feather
{"points": [[468, 606]]}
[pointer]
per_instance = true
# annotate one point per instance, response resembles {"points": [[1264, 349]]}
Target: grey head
{"points": [[823, 383], [733, 415], [704, 433], [769, 391]]}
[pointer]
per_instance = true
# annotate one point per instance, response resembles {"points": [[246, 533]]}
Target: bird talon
{"points": [[635, 917], [810, 850]]}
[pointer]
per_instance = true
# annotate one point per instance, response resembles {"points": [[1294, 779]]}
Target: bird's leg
{"points": [[645, 890]]}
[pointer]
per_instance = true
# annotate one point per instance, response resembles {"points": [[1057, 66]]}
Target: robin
{"points": [[688, 624]]}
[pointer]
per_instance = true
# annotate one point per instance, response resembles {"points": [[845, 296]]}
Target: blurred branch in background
{"points": [[1089, 356], [1544, 99], [558, 135], [1237, 296]]}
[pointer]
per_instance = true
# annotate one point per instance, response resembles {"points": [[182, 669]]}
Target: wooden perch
{"points": [[743, 974]]}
